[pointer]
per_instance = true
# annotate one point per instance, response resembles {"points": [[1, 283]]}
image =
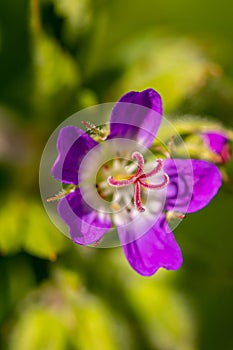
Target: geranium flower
{"points": [[218, 143], [116, 182]]}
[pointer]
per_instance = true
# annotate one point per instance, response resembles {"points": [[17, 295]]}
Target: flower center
{"points": [[139, 179]]}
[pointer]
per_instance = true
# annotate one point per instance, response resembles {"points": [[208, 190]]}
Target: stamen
{"points": [[96, 243], [94, 129], [61, 194], [171, 144], [156, 187], [137, 197], [57, 197], [155, 170], [179, 216], [173, 214]]}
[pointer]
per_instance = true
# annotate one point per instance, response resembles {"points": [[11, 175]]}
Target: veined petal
{"points": [[193, 183], [131, 121], [155, 249], [86, 225], [72, 145]]}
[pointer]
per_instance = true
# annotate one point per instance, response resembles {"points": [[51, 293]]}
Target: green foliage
{"points": [[165, 313], [62, 315], [56, 76], [20, 229]]}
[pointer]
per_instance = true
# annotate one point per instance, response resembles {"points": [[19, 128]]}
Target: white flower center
{"points": [[113, 180]]}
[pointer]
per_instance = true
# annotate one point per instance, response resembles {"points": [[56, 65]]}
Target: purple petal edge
{"points": [[86, 226], [147, 98], [130, 120], [72, 145], [191, 188], [157, 248], [217, 142]]}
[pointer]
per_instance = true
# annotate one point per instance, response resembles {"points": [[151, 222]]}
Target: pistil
{"points": [[140, 179]]}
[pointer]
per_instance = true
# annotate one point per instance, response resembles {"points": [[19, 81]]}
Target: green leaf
{"points": [[41, 237], [62, 315], [25, 225], [57, 77], [11, 222], [39, 329], [164, 313]]}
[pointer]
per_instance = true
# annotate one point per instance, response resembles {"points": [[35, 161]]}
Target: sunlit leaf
{"points": [[24, 225], [40, 237], [11, 225]]}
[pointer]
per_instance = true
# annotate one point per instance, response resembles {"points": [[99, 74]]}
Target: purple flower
{"points": [[217, 142], [116, 183]]}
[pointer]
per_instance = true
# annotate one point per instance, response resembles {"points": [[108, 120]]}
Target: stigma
{"points": [[139, 179]]}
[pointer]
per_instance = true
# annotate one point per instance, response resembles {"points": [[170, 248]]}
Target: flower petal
{"points": [[192, 185], [72, 145], [155, 249], [86, 225], [131, 121], [217, 143]]}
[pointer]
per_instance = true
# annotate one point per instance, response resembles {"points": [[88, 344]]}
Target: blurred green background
{"points": [[57, 57]]}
